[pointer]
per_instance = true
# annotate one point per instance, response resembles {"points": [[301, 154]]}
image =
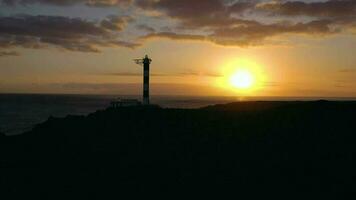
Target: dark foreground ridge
{"points": [[245, 146]]}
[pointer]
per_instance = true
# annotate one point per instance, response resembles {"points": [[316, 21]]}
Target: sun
{"points": [[242, 79]]}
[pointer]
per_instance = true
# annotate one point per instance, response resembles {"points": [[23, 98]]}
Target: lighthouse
{"points": [[146, 61]]}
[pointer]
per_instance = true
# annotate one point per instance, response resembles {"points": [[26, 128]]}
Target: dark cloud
{"points": [[73, 34], [252, 34], [198, 13], [116, 23], [222, 22], [331, 8], [49, 26], [242, 6], [104, 3], [174, 36], [184, 8], [144, 27], [120, 43], [99, 3], [216, 14]]}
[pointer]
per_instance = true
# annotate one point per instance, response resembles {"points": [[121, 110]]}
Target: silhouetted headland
{"points": [[244, 146]]}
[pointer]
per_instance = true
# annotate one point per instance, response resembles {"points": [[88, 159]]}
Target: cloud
{"points": [[224, 23], [256, 33], [104, 3], [345, 83], [347, 71], [251, 34], [271, 84], [174, 36], [120, 43], [116, 23], [144, 27], [242, 6], [206, 74], [133, 88], [98, 3], [72, 34], [136, 74], [183, 8], [331, 8], [198, 13], [8, 53]]}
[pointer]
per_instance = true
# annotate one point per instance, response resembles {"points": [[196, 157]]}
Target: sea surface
{"points": [[20, 112]]}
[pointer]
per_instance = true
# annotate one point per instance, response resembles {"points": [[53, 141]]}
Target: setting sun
{"points": [[242, 76], [242, 79]]}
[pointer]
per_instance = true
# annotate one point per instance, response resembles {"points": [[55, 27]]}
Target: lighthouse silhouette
{"points": [[146, 61]]}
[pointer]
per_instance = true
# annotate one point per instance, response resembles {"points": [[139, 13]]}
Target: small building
{"points": [[125, 103]]}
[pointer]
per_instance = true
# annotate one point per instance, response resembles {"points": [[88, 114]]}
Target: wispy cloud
{"points": [[192, 73], [131, 88], [271, 84], [137, 74], [8, 53], [145, 27], [345, 83], [133, 74], [347, 71]]}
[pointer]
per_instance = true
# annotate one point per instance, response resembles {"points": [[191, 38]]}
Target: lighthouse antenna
{"points": [[138, 61]]}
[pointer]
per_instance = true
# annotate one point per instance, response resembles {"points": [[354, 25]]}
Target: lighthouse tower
{"points": [[146, 78]]}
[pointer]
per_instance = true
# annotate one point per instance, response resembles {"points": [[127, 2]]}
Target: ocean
{"points": [[20, 112]]}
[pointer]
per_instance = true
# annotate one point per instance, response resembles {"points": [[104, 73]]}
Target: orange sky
{"points": [[288, 51]]}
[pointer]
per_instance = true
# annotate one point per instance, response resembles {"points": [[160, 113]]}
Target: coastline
{"points": [[246, 145]]}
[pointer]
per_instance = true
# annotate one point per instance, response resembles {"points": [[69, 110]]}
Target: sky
{"points": [[198, 47]]}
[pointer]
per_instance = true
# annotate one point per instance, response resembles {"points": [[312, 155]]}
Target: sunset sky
{"points": [[289, 48]]}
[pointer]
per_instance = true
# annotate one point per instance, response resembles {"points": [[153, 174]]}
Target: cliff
{"points": [[247, 146]]}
